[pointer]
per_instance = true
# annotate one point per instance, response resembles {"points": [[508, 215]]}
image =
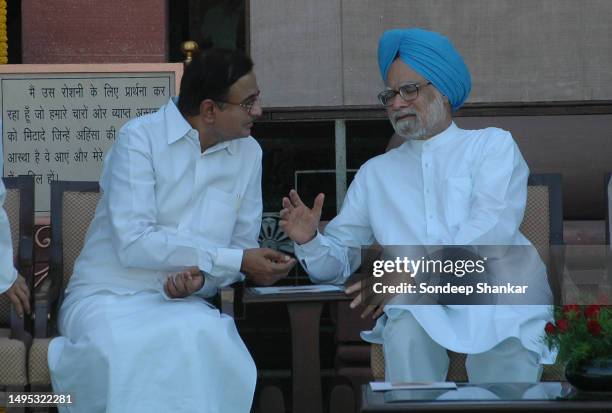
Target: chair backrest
{"points": [[73, 206], [543, 219], [19, 207], [543, 222], [543, 226]]}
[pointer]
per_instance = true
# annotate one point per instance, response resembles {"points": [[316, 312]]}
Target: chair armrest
{"points": [[557, 272], [18, 330], [227, 300], [42, 307], [26, 256], [47, 300], [25, 266], [17, 324]]}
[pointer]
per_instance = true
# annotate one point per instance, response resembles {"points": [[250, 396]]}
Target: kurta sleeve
{"points": [[139, 241], [499, 195], [333, 257], [8, 274]]}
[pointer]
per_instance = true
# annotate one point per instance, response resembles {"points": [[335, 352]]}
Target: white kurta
{"points": [[165, 206], [461, 187], [8, 274]]}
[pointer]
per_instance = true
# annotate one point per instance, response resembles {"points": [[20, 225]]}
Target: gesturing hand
{"points": [[184, 283], [299, 222], [19, 294], [264, 266]]}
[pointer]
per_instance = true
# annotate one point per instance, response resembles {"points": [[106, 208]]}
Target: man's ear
{"points": [[208, 108]]}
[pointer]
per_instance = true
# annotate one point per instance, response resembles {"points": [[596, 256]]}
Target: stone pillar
{"points": [[94, 31]]}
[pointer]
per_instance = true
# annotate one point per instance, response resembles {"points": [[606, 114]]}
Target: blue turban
{"points": [[432, 56]]}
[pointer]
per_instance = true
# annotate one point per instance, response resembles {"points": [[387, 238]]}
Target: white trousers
{"points": [[143, 353], [412, 355]]}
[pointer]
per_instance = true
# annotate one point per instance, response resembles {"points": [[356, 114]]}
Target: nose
{"points": [[398, 103], [256, 110]]}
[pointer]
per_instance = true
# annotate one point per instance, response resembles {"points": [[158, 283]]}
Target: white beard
{"points": [[413, 127]]}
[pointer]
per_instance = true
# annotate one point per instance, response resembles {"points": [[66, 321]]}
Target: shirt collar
{"points": [[227, 145], [177, 127], [438, 140]]}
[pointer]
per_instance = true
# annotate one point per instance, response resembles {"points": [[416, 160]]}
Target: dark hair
{"points": [[209, 76]]}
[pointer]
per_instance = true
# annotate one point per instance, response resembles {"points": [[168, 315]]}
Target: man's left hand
{"points": [[19, 295], [376, 302], [184, 283]]}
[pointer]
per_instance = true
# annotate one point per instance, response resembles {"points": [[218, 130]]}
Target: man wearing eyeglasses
{"points": [[179, 217], [442, 186]]}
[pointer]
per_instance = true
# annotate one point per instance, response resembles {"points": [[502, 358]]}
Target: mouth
{"points": [[404, 116]]}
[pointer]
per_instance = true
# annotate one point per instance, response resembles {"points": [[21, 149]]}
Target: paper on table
{"points": [[386, 386], [315, 288]]}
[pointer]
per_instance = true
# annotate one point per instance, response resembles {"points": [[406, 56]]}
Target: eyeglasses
{"points": [[407, 92], [247, 104]]}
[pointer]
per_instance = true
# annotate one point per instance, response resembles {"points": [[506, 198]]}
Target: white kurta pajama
{"points": [[460, 187], [165, 206]]}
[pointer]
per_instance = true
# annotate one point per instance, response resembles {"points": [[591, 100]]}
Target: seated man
{"points": [[442, 186], [181, 193], [11, 283]]}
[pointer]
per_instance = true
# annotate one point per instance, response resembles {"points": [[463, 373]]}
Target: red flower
{"points": [[550, 328], [594, 327], [562, 325], [571, 308], [591, 311]]}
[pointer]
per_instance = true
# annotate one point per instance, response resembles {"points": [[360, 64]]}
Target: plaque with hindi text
{"points": [[58, 122]]}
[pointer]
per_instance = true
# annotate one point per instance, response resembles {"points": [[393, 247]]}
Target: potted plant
{"points": [[583, 337]]}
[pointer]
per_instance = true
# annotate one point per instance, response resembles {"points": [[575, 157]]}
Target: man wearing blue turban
{"points": [[442, 186]]}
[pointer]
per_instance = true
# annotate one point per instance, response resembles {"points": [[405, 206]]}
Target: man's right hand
{"points": [[19, 294], [264, 266], [299, 222]]}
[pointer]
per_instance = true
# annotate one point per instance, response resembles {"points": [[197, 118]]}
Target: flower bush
{"points": [[581, 333]]}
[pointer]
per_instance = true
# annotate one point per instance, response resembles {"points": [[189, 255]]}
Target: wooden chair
{"points": [[73, 205], [543, 226], [15, 337]]}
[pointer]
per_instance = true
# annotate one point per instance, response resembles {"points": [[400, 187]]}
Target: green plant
{"points": [[581, 333]]}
